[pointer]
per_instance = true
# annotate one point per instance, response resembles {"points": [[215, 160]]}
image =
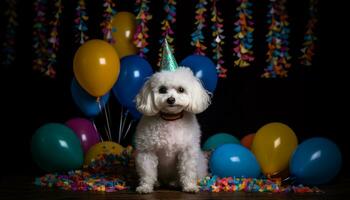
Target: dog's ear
{"points": [[144, 100], [200, 98]]}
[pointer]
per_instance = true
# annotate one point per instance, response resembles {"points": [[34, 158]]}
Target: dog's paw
{"points": [[190, 188], [144, 189]]}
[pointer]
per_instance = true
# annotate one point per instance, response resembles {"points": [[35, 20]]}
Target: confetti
{"points": [[106, 24], [80, 22], [197, 35], [141, 33]]}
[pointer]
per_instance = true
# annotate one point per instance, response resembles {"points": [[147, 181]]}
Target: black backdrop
{"points": [[308, 101]]}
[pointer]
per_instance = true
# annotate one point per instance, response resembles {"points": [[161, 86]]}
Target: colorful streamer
{"points": [[309, 36], [142, 18], [277, 39], [243, 39], [8, 46], [217, 33], [80, 22], [54, 40], [106, 24], [40, 42], [167, 26], [197, 35]]}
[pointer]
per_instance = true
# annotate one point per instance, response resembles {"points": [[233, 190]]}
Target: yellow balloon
{"points": [[101, 148], [273, 146], [96, 67], [124, 24]]}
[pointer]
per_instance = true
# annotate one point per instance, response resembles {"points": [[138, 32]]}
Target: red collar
{"points": [[171, 117]]}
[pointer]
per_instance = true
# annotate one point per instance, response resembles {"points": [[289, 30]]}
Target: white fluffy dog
{"points": [[168, 135]]}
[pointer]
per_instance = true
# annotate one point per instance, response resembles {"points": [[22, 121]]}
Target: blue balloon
{"points": [[234, 160], [134, 113], [87, 103], [204, 69], [315, 161], [134, 71], [219, 139]]}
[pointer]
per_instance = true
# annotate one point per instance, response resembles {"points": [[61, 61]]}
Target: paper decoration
{"points": [[141, 33], [309, 36], [80, 23], [243, 39], [106, 24], [217, 33], [197, 35]]}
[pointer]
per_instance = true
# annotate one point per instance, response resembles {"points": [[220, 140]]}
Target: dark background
{"points": [[310, 100]]}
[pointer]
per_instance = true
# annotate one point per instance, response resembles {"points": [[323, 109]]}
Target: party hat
{"points": [[168, 62]]}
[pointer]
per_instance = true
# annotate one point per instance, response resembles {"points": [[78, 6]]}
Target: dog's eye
{"points": [[162, 89], [181, 90]]}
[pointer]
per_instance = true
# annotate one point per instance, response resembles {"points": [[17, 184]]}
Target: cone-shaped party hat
{"points": [[168, 62]]}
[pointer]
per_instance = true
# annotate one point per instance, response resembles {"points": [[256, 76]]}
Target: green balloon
{"points": [[219, 139], [55, 147]]}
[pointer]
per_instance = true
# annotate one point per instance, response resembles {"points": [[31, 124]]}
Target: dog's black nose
{"points": [[171, 100]]}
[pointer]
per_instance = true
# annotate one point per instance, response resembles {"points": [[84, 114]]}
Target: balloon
{"points": [[55, 147], [135, 113], [134, 71], [96, 67], [101, 148], [234, 160], [87, 103], [248, 140], [124, 24], [85, 131], [273, 146], [316, 161], [204, 69], [219, 139]]}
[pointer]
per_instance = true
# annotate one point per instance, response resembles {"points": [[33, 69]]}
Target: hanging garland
{"points": [[106, 24], [217, 33], [243, 39], [80, 22], [54, 40], [277, 39], [39, 36], [309, 37], [197, 35], [8, 46], [142, 18], [167, 23]]}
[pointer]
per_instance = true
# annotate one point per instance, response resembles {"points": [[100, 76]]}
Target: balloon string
{"points": [[128, 129], [120, 124], [94, 125], [109, 119], [124, 120], [107, 129]]}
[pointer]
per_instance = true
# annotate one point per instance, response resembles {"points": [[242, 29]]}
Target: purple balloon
{"points": [[86, 132]]}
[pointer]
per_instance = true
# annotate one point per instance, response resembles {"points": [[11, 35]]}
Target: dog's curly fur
{"points": [[169, 151]]}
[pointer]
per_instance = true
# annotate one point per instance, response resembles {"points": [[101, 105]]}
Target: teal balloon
{"points": [[55, 147], [219, 139]]}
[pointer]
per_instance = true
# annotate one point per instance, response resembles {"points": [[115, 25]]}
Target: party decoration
{"points": [[124, 24], [8, 46], [87, 103], [86, 132], [80, 22], [40, 42], [106, 24], [55, 147], [218, 42], [316, 161], [167, 26], [219, 139], [236, 184], [134, 71], [99, 149], [277, 39], [54, 40], [247, 140], [273, 146], [204, 69], [197, 35], [243, 39], [309, 36], [96, 67], [234, 160], [141, 33], [168, 61]]}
